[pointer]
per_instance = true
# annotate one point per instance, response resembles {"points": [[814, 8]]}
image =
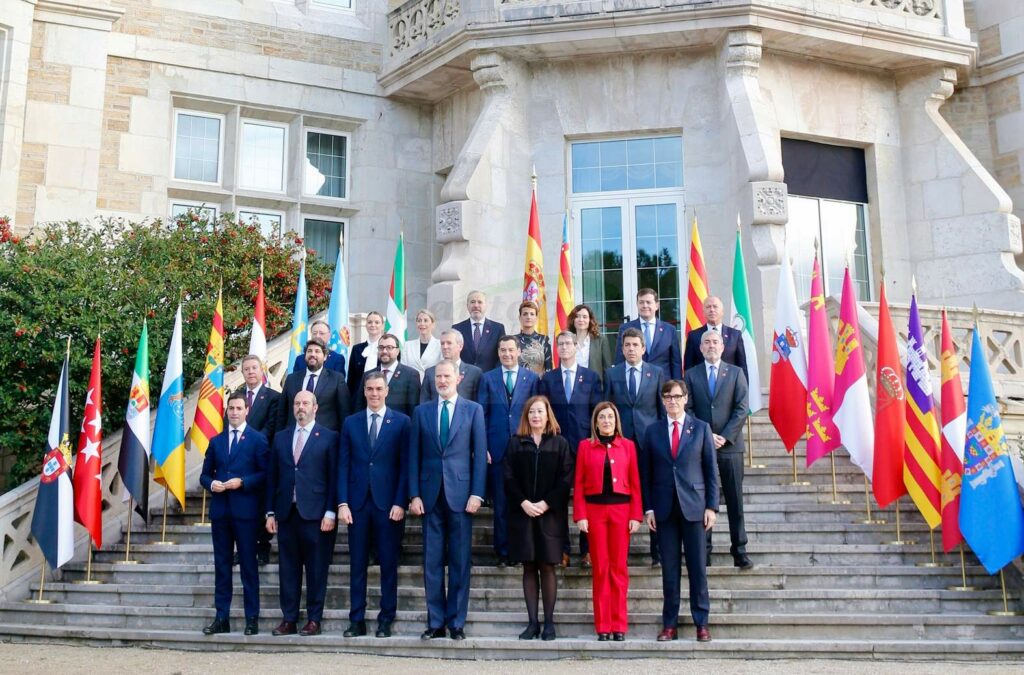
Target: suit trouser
{"points": [[496, 493], [675, 533], [447, 536], [609, 554], [228, 533], [302, 547], [730, 468], [367, 520]]}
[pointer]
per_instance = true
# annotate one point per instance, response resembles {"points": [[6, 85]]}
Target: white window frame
{"points": [[330, 219], [284, 154], [333, 6], [348, 163], [194, 205], [600, 194], [257, 211], [865, 209], [220, 144]]}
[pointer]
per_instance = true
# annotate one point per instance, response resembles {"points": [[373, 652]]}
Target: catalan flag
{"points": [[954, 431], [300, 320], [565, 300], [697, 287], [921, 472], [533, 275], [169, 429], [209, 419]]}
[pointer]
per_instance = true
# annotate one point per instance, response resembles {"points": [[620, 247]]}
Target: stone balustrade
{"points": [[418, 20]]}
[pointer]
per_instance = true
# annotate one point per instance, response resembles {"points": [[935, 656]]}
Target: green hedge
{"points": [[76, 279]]}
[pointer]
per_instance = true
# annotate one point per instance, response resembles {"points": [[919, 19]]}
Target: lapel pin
{"points": [[387, 421], [316, 433], [242, 437]]}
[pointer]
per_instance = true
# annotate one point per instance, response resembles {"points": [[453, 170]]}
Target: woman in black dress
{"points": [[538, 473]]}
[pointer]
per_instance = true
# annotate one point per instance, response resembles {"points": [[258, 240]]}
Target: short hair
{"points": [[568, 333], [314, 342], [428, 313], [389, 336], [551, 428], [709, 334], [376, 314], [593, 328], [647, 291], [508, 338], [604, 405], [322, 322], [669, 385], [470, 295], [455, 334], [632, 333], [252, 357], [237, 396], [528, 304], [375, 375], [304, 392], [446, 362]]}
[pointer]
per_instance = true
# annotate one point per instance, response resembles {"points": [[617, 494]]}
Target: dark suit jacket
{"points": [[313, 480], [331, 398], [600, 357], [486, 357], [727, 413], [356, 366], [501, 414], [691, 478], [247, 461], [335, 362], [264, 413], [461, 465], [469, 386], [380, 473], [637, 413], [573, 416], [664, 351], [733, 352], [403, 391]]}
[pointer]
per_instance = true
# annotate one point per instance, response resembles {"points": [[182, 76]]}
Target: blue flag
{"points": [[337, 312], [300, 321], [991, 516]]}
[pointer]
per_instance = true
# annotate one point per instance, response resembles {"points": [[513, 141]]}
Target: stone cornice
{"points": [[998, 69], [82, 14]]}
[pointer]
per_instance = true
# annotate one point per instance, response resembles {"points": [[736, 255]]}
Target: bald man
{"points": [[732, 339]]}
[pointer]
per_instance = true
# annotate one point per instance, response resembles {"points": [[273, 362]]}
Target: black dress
{"points": [[538, 473]]}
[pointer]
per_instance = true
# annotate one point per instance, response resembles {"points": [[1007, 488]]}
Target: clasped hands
{"points": [[534, 509], [223, 486]]}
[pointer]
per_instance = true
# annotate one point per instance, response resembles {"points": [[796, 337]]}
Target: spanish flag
{"points": [[533, 275], [209, 419], [697, 289]]}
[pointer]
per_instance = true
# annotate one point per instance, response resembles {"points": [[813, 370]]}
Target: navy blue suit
{"points": [[678, 490], [664, 352], [643, 410], [371, 480], [485, 355], [732, 351], [502, 414], [300, 495], [403, 390], [235, 514], [334, 361], [445, 478], [264, 411], [332, 399], [574, 415]]}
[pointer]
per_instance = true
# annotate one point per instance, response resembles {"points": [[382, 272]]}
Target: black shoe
{"points": [[656, 562], [457, 633], [618, 637], [432, 634], [384, 629], [604, 637], [502, 562], [263, 558], [217, 626], [707, 560], [252, 626], [743, 562], [531, 633], [355, 629], [549, 631]]}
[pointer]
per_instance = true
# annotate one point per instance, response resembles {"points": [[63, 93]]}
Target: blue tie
{"points": [[567, 378], [311, 383], [712, 381], [234, 442], [632, 383], [445, 423], [647, 335]]}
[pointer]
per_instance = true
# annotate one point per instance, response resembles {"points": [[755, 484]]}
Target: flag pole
{"points": [[750, 449], [867, 503], [163, 528], [796, 480], [899, 541], [128, 537], [88, 580], [38, 600], [933, 562], [203, 522], [963, 575], [835, 495], [1006, 611]]}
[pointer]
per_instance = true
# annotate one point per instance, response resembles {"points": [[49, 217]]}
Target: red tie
{"points": [[675, 439]]}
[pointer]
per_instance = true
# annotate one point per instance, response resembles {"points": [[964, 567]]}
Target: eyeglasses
{"points": [[386, 348], [673, 397]]}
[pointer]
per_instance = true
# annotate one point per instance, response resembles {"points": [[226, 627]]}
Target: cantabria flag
{"points": [[739, 319], [395, 322]]}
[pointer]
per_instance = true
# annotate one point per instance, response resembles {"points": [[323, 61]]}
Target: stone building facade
{"points": [[890, 131]]}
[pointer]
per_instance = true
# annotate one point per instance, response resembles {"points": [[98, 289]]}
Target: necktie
{"points": [[445, 423], [248, 397], [712, 381], [387, 375], [311, 382], [567, 380], [509, 384], [647, 335], [373, 429], [234, 442], [300, 443], [632, 383], [476, 335], [675, 439]]}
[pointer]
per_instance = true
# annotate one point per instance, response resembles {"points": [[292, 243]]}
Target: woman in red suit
{"points": [[607, 507]]}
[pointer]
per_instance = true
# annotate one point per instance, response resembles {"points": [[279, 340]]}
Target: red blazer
{"points": [[590, 475]]}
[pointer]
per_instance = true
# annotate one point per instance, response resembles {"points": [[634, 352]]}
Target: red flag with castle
{"points": [[822, 434]]}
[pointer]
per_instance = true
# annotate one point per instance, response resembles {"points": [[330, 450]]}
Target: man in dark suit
{"points": [[503, 393], [680, 487], [263, 403], [301, 482], [635, 388], [732, 340], [718, 396], [447, 477], [372, 494], [403, 381], [479, 334], [321, 330], [469, 375], [330, 390], [661, 344], [234, 470]]}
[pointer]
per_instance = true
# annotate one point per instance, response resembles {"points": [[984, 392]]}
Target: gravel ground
{"points": [[27, 659]]}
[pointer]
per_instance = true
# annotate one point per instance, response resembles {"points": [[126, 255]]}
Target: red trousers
{"points": [[608, 526]]}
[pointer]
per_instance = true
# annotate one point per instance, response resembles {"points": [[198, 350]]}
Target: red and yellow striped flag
{"points": [[565, 301], [533, 276], [697, 288], [921, 472], [209, 419]]}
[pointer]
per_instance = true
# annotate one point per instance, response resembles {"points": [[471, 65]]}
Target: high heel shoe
{"points": [[549, 631], [531, 632]]}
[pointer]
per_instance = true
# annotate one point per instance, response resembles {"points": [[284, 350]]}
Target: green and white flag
{"points": [[395, 321], [739, 319]]}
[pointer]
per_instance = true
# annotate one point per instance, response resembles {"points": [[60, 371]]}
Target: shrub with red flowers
{"points": [[76, 279]]}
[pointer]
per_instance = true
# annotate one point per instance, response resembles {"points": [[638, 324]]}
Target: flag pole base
{"points": [[802, 483], [839, 502], [37, 601], [995, 612], [934, 564], [900, 542], [126, 562], [757, 466], [203, 522], [163, 528], [88, 580], [961, 588], [871, 521]]}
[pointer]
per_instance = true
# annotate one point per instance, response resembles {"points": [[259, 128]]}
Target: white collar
{"points": [[240, 430], [307, 428], [452, 400], [369, 413]]}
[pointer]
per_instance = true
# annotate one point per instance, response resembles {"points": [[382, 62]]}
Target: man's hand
{"points": [[473, 505], [272, 525], [634, 526], [327, 524], [719, 440], [651, 522], [584, 526], [345, 514], [397, 513], [217, 486], [233, 484], [416, 506], [709, 519]]}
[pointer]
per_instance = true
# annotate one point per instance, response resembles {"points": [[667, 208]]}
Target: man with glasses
{"points": [[403, 381]]}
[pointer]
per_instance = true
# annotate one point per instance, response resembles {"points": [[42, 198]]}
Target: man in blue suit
{"points": [[480, 334], [503, 393], [447, 476], [680, 488], [263, 405], [301, 482], [732, 340], [469, 375], [234, 470], [328, 386], [661, 344], [334, 361], [372, 495]]}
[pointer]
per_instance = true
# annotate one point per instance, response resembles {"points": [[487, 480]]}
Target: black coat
{"points": [[538, 473]]}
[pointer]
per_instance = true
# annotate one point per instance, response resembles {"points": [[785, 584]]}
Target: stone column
{"points": [[15, 44]]}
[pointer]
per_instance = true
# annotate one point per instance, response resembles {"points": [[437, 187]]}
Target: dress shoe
{"points": [[565, 560], [355, 629], [668, 634], [311, 628], [604, 637], [432, 634], [707, 560], [217, 626], [263, 558], [549, 632], [703, 634], [743, 562], [502, 562], [457, 633], [252, 626], [285, 628], [655, 563], [384, 629], [618, 637], [585, 562], [531, 633]]}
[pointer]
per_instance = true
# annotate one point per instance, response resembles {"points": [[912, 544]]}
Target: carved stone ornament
{"points": [[449, 222], [770, 202]]}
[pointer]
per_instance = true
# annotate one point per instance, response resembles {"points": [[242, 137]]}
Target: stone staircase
{"points": [[825, 585]]}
